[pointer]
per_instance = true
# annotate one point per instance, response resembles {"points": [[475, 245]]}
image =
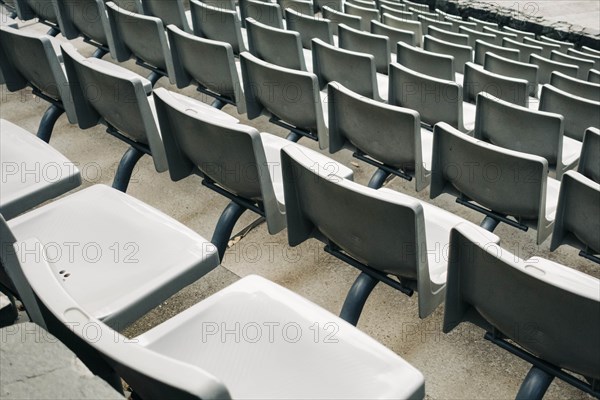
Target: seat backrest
{"points": [[102, 90], [84, 17], [577, 222], [223, 4], [515, 69], [365, 14], [502, 180], [475, 35], [435, 99], [589, 162], [129, 5], [564, 46], [170, 12], [518, 128], [389, 134], [547, 66], [309, 27], [338, 17], [525, 50], [363, 42], [331, 4], [30, 59], [42, 9], [579, 113], [394, 35], [450, 37], [481, 48], [520, 34], [427, 22], [208, 62], [402, 14], [276, 46], [290, 95], [149, 373], [140, 35], [265, 12], [405, 25], [304, 7], [506, 88], [217, 24], [593, 76], [461, 54], [575, 86], [481, 23], [354, 70], [492, 288], [418, 6], [361, 221], [499, 33], [587, 56], [393, 4], [426, 62], [363, 3], [547, 47], [584, 64]]}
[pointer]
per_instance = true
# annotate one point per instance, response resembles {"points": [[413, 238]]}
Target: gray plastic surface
{"points": [[525, 50], [451, 37], [594, 76], [363, 42], [394, 35], [547, 66], [547, 47], [515, 69], [171, 12], [481, 48], [366, 15], [577, 87], [309, 27], [265, 12], [405, 25], [475, 35], [589, 162], [217, 24], [584, 64], [276, 46], [478, 80], [564, 46], [338, 17], [461, 54], [588, 56], [437, 65], [520, 34], [427, 22]]}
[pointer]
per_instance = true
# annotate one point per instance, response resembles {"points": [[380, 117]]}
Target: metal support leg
{"points": [[293, 137], [378, 179], [489, 224], [224, 227], [99, 53], [47, 123], [535, 385], [357, 297], [154, 77], [218, 104], [53, 32], [125, 169]]}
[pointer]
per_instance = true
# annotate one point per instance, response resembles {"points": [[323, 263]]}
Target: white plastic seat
{"points": [[461, 54], [366, 14], [183, 358], [116, 255], [536, 309], [337, 17], [494, 181], [32, 171], [380, 232], [309, 27]]}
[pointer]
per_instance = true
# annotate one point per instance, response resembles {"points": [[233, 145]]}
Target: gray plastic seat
{"points": [[547, 66], [547, 47], [426, 62], [394, 4], [494, 181], [475, 35], [388, 137], [405, 25], [481, 23], [180, 359], [208, 63], [277, 46], [589, 162], [331, 63], [416, 5], [419, 12], [594, 76], [577, 222], [500, 34], [265, 12], [394, 35], [43, 10], [380, 232], [427, 22], [116, 255], [575, 86], [564, 46], [125, 106], [170, 12], [461, 54], [88, 19], [402, 14], [525, 50], [303, 7], [481, 48], [447, 36], [211, 144], [331, 4], [587, 56], [365, 14], [363, 3], [32, 171], [218, 24], [134, 6], [294, 102], [520, 34], [515, 69], [309, 28], [30, 59], [363, 42], [529, 131], [477, 80], [143, 38], [498, 291], [338, 17], [584, 64], [589, 50], [457, 23], [579, 113], [435, 99]]}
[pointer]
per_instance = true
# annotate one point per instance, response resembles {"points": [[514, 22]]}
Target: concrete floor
{"points": [[460, 365]]}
